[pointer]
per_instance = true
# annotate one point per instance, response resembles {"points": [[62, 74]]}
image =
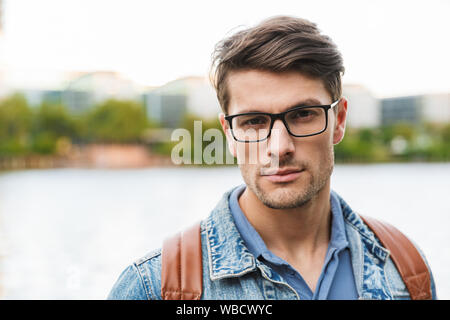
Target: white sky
{"points": [[392, 47]]}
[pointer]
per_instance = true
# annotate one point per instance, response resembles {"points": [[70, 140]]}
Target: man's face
{"points": [[308, 159]]}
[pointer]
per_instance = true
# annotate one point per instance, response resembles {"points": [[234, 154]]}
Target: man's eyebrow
{"points": [[302, 103], [308, 102]]}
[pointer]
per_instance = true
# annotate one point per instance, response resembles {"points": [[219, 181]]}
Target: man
{"points": [[284, 234]]}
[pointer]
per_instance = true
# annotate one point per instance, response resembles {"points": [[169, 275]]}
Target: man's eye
{"points": [[254, 121], [303, 114], [258, 120]]}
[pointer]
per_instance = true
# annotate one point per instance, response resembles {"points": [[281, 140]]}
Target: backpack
{"points": [[181, 271]]}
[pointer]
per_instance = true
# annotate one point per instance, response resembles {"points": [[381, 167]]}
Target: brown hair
{"points": [[278, 44]]}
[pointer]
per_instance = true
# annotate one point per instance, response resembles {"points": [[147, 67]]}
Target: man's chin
{"points": [[283, 203], [281, 195]]}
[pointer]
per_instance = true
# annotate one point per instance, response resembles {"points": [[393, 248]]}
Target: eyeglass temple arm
{"points": [[335, 103]]}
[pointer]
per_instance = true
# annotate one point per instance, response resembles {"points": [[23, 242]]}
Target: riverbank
{"points": [[90, 156], [129, 156]]}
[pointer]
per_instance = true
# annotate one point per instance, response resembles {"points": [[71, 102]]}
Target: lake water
{"points": [[69, 233]]}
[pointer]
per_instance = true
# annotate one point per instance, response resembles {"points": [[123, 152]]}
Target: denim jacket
{"points": [[231, 272]]}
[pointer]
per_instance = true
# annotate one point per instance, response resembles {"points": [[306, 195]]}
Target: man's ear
{"points": [[340, 122], [226, 129]]}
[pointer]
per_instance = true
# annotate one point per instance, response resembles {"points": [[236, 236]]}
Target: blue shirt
{"points": [[336, 281]]}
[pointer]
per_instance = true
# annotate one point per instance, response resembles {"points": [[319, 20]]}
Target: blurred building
{"points": [[431, 108], [166, 109], [36, 96], [87, 89], [364, 110], [401, 109], [83, 90], [436, 108], [169, 104]]}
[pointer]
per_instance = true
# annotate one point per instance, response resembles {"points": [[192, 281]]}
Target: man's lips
{"points": [[282, 175]]}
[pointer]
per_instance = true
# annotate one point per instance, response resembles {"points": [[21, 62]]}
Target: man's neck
{"points": [[299, 232]]}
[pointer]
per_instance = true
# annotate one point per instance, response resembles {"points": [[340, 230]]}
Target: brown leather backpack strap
{"points": [[181, 270], [406, 258]]}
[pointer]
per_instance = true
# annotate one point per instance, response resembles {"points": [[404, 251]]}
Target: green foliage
{"points": [[45, 142], [15, 125], [51, 121], [115, 121], [25, 130], [445, 133], [426, 142], [163, 148], [54, 118], [50, 128], [361, 146]]}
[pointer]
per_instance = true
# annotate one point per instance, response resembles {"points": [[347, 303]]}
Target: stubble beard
{"points": [[293, 194]]}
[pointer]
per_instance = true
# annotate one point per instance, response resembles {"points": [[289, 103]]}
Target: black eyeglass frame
{"points": [[282, 117]]}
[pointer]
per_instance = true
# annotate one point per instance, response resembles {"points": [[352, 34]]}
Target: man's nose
{"points": [[280, 142]]}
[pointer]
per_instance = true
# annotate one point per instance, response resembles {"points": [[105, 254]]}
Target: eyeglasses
{"points": [[302, 121]]}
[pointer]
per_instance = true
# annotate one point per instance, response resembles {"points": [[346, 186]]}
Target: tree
{"points": [[115, 121], [52, 122], [15, 125]]}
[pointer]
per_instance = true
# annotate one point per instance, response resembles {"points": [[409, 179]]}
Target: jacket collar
{"points": [[229, 257], [354, 221], [368, 257]]}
